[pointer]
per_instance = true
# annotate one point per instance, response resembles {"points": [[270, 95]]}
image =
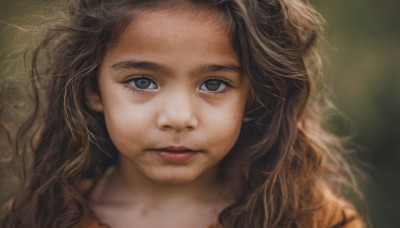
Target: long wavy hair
{"points": [[289, 163]]}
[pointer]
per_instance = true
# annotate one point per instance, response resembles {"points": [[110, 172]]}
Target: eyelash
{"points": [[226, 82], [223, 80], [135, 88]]}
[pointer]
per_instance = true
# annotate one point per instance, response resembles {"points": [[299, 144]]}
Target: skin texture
{"points": [[173, 79], [285, 164]]}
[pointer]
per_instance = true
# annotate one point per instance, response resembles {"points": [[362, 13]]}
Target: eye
{"points": [[142, 83], [214, 85]]}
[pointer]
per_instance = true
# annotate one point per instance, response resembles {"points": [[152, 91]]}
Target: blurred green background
{"points": [[365, 72], [366, 82]]}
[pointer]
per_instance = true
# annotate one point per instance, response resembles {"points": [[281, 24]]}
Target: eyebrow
{"points": [[152, 66], [140, 65], [214, 68]]}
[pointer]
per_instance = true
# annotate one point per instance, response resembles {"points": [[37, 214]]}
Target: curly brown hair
{"points": [[291, 168]]}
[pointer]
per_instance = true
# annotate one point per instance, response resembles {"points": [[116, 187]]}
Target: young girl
{"points": [[179, 114]]}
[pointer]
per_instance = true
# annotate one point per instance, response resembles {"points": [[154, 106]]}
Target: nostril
{"points": [[177, 121], [178, 110]]}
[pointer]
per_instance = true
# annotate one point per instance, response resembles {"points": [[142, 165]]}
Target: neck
{"points": [[129, 185]]}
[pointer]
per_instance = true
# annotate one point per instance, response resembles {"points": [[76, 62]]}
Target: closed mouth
{"points": [[175, 155], [173, 149]]}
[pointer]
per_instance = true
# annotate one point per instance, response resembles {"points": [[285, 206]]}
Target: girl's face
{"points": [[173, 95]]}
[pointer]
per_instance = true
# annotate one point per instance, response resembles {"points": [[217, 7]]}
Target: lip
{"points": [[175, 155]]}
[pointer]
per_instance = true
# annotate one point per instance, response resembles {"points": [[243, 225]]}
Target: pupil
{"points": [[213, 85], [142, 83]]}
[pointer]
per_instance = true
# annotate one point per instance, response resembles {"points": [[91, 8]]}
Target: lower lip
{"points": [[175, 157]]}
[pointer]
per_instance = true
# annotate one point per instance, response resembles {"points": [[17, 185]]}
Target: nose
{"points": [[178, 112]]}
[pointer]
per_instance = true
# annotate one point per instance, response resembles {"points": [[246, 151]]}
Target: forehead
{"points": [[175, 17], [153, 14], [177, 22], [176, 30]]}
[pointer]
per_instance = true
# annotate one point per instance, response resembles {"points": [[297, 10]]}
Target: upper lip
{"points": [[175, 149]]}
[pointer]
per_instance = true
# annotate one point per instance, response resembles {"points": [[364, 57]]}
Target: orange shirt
{"points": [[91, 222], [335, 213], [344, 217]]}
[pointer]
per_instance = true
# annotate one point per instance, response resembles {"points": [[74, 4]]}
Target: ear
{"points": [[92, 96]]}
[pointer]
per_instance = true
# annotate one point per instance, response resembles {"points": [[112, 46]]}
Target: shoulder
{"points": [[336, 212]]}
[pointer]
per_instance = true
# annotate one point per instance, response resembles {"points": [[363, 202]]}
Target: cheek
{"points": [[224, 128], [125, 127]]}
